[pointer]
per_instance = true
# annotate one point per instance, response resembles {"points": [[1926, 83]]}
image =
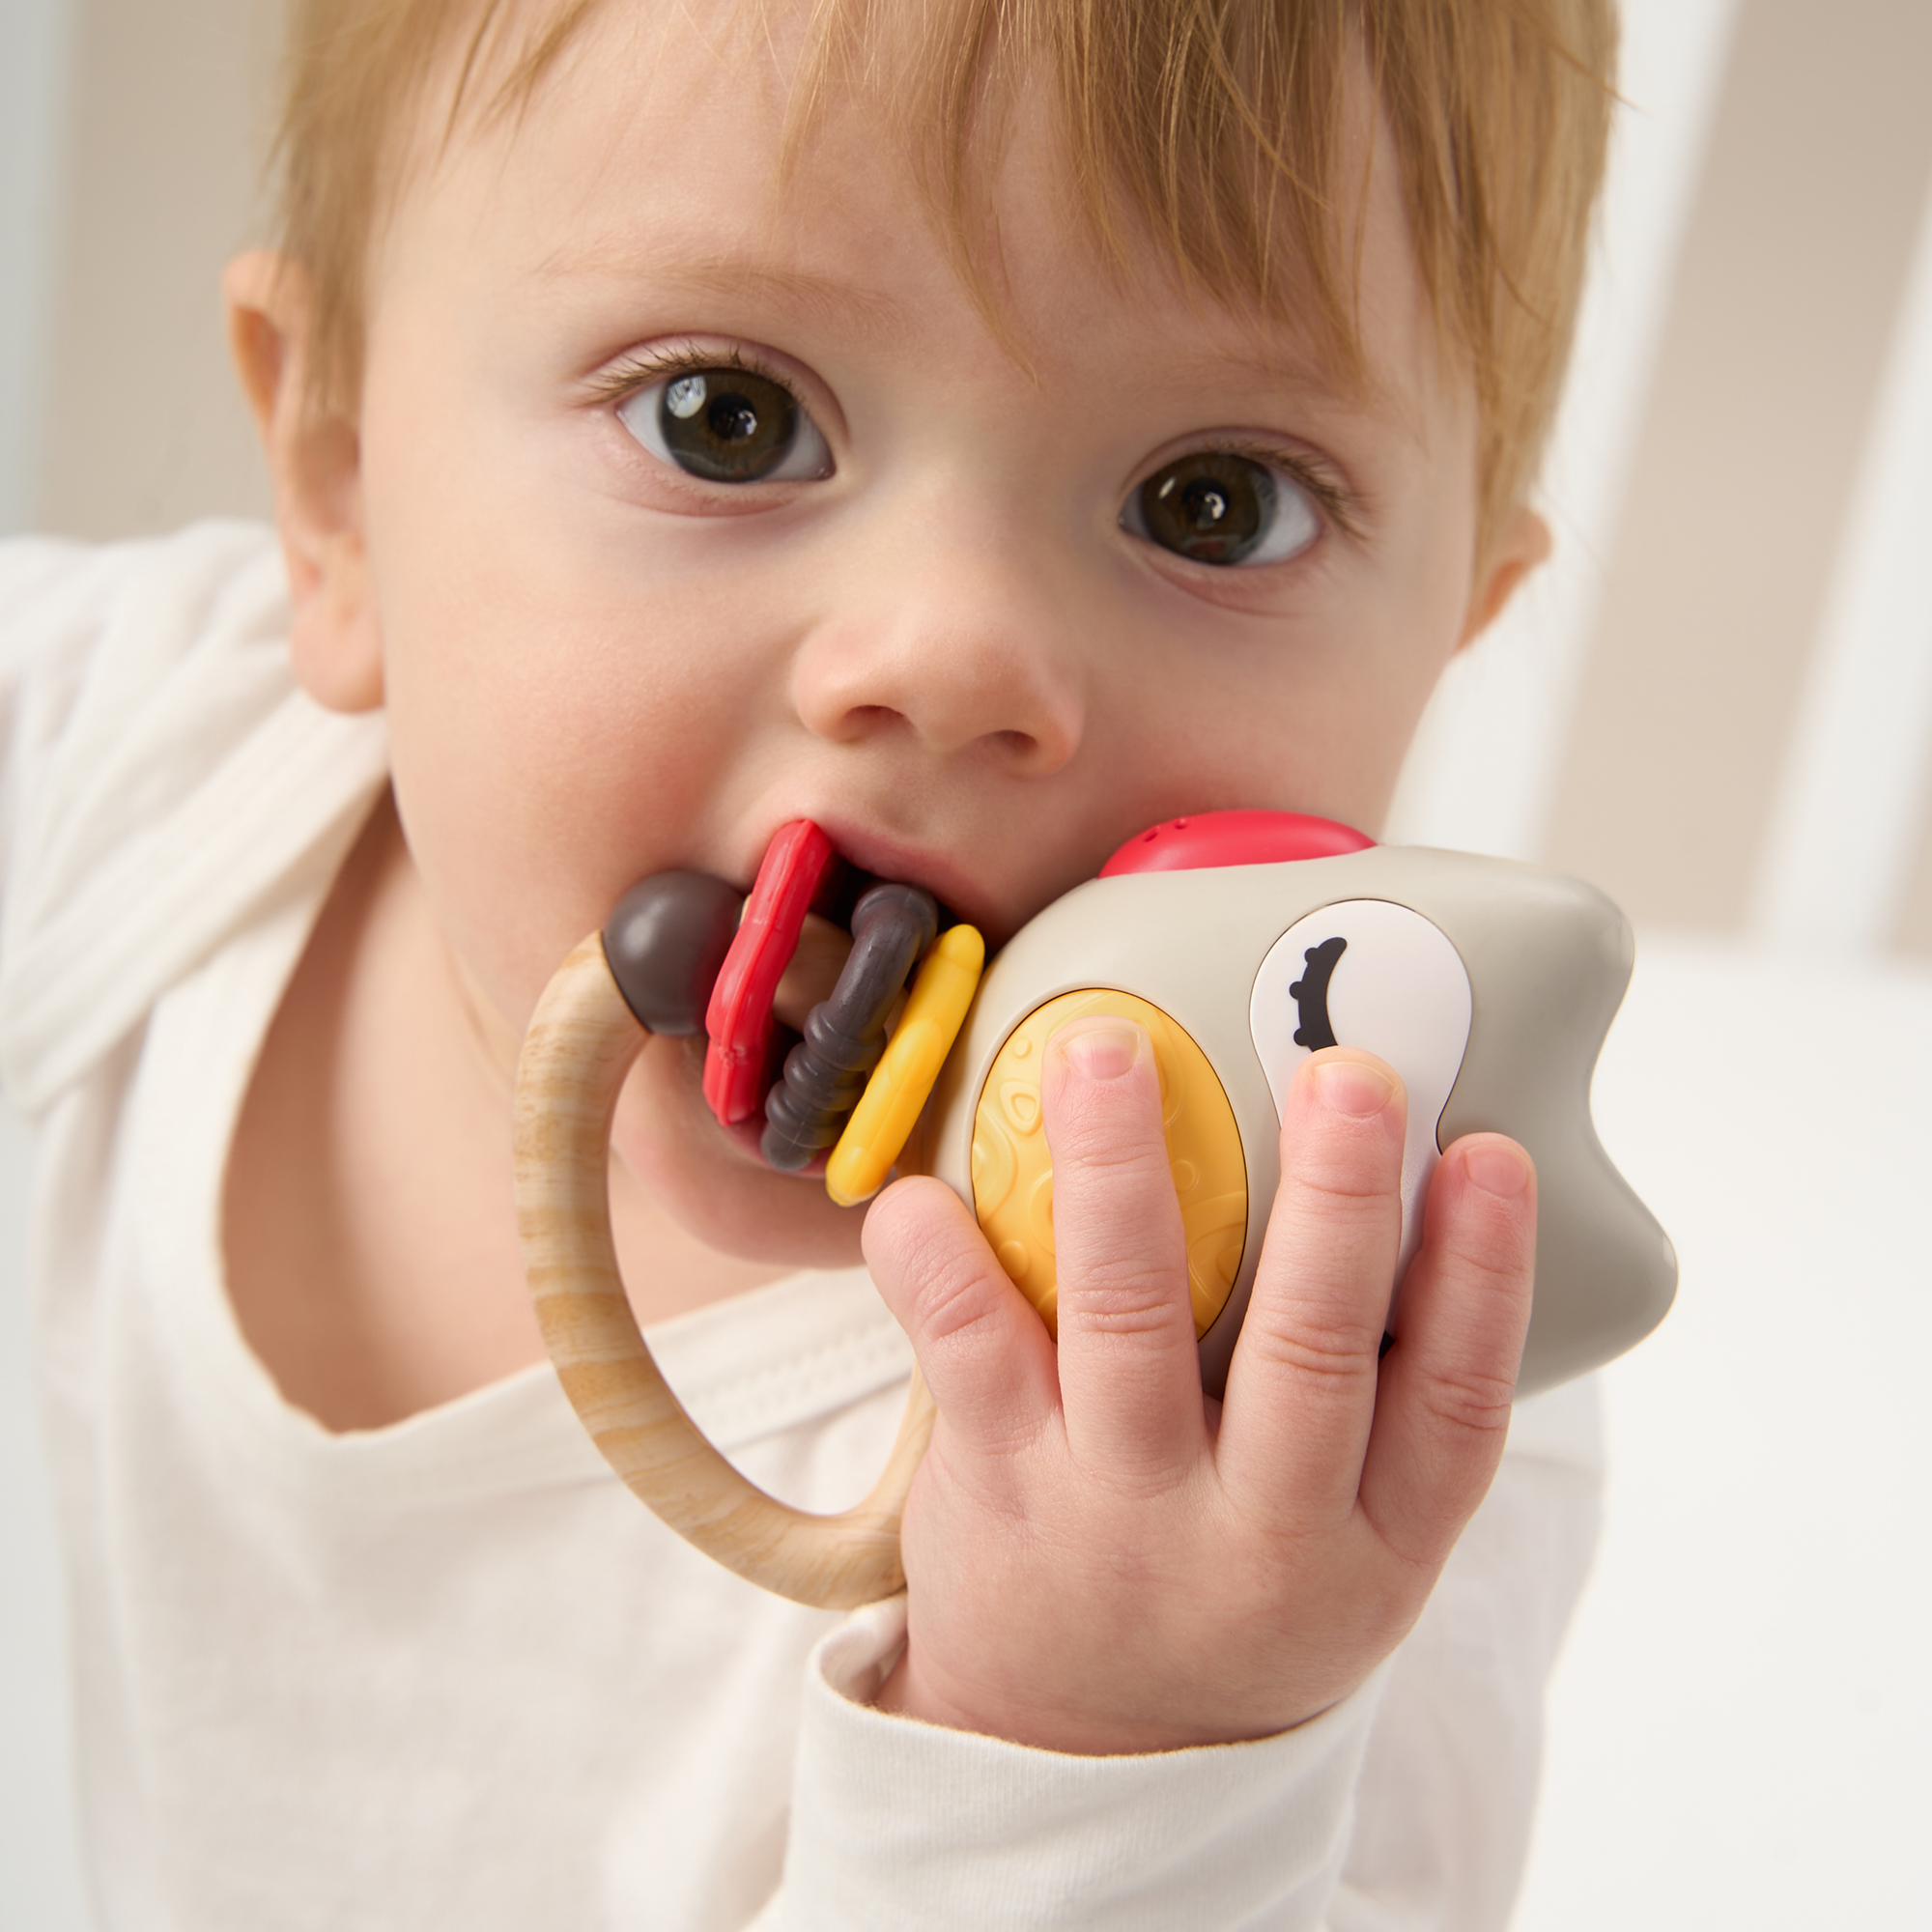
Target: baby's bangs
{"points": [[1211, 131]]}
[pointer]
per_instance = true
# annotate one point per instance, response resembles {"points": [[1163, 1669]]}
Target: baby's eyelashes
{"points": [[1217, 506], [723, 424]]}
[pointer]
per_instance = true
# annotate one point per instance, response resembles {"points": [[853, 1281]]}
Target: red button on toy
{"points": [[1210, 839]]}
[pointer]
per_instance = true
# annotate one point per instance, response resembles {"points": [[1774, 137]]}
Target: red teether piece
{"points": [[1212, 839], [739, 1017]]}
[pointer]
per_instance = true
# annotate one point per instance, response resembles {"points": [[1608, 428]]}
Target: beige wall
{"points": [[1914, 935], [144, 427], [1793, 269]]}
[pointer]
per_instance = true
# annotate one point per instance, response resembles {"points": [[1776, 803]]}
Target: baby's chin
{"points": [[714, 1180]]}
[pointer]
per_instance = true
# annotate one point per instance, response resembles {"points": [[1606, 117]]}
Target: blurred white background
{"points": [[1738, 1731], [1717, 702]]}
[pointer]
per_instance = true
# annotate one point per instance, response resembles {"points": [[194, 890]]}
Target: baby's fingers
{"points": [[1443, 1409], [1301, 1390], [1129, 1371], [984, 1355]]}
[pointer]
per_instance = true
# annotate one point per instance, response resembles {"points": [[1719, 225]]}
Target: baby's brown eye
{"points": [[727, 426], [1216, 507]]}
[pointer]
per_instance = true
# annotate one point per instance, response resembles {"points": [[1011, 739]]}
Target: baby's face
{"points": [[697, 501]]}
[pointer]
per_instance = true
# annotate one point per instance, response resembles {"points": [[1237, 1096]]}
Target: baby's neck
{"points": [[369, 1225]]}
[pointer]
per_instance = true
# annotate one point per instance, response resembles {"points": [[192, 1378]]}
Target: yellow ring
{"points": [[899, 1084]]}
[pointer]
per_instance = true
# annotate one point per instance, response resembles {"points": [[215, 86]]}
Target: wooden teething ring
{"points": [[580, 1044]]}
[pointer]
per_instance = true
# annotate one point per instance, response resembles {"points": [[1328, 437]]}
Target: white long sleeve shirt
{"points": [[449, 1672]]}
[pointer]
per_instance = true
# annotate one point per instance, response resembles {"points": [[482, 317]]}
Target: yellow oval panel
{"points": [[1012, 1171]]}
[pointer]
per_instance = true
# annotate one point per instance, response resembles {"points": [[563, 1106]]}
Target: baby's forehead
{"points": [[639, 113]]}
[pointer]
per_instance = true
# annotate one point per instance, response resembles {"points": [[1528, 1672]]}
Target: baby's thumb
{"points": [[984, 1352]]}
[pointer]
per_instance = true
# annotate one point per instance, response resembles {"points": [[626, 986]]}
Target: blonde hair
{"points": [[1211, 125]]}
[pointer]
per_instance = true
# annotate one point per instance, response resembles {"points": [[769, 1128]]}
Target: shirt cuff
{"points": [[897, 1823]]}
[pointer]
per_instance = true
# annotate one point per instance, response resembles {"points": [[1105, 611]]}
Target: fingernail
{"points": [[1498, 1170], [1099, 1051], [1349, 1086]]}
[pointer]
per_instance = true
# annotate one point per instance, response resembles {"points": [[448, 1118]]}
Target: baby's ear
{"points": [[1520, 545], [315, 461]]}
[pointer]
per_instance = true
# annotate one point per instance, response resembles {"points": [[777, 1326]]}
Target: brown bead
{"points": [[665, 943]]}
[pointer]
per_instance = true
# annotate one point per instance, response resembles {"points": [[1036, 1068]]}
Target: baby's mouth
{"points": [[796, 987]]}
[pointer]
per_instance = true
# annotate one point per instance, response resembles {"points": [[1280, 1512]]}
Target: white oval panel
{"points": [[1394, 986]]}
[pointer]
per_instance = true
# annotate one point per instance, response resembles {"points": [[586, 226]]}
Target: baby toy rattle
{"points": [[1242, 942]]}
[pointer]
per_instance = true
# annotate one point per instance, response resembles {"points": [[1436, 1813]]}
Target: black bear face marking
{"points": [[1309, 994], [1379, 976]]}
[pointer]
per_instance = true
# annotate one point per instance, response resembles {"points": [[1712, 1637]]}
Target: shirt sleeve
{"points": [[1404, 1808], [1448, 1788], [40, 665], [162, 775]]}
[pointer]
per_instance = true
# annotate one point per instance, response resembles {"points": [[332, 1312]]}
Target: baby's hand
{"points": [[1102, 1561]]}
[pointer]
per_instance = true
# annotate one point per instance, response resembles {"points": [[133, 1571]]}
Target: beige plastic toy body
{"points": [[1488, 985]]}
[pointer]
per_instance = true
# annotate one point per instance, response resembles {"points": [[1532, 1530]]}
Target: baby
{"points": [[983, 430]]}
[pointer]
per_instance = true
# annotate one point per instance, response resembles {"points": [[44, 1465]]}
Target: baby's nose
{"points": [[954, 646]]}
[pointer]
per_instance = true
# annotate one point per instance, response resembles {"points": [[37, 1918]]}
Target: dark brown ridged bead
{"points": [[844, 1036]]}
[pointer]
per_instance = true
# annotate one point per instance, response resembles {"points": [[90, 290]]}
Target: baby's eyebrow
{"points": [[854, 311]]}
